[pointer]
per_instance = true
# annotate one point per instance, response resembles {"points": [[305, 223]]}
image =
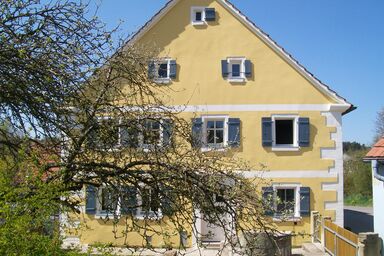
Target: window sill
{"points": [[285, 148], [199, 23], [162, 80], [237, 80], [153, 216], [211, 149], [287, 219], [102, 216]]}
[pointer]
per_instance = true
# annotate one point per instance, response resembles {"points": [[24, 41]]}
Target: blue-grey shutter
{"points": [[268, 200], [210, 14], [129, 135], [167, 132], [304, 132], [90, 203], [224, 68], [129, 200], [172, 69], [248, 68], [267, 131], [197, 132], [151, 69], [234, 132], [305, 201]]}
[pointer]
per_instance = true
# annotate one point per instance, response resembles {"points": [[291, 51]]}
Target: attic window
{"points": [[201, 15]]}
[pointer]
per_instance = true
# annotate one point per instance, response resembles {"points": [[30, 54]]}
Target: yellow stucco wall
{"points": [[198, 51]]}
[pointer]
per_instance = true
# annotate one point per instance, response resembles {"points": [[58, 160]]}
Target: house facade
{"points": [[229, 76], [376, 157]]}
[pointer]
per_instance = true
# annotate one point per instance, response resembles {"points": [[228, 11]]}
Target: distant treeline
{"points": [[353, 146]]}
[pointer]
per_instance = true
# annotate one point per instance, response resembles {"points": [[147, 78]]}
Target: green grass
{"points": [[358, 200]]}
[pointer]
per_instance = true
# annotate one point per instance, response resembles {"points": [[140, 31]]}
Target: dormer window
{"points": [[201, 15]]}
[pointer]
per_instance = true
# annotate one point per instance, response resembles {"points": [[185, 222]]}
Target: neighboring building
{"points": [[376, 156], [234, 77]]}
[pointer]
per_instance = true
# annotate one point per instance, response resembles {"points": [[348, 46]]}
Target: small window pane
{"points": [[211, 124], [151, 134], [219, 136], [219, 124], [284, 132], [235, 70], [211, 137], [198, 16], [163, 70], [286, 201]]}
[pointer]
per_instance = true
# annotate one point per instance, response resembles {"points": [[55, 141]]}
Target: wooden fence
{"points": [[339, 241]]}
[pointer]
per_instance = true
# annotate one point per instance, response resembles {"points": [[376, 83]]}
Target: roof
{"points": [[377, 151], [344, 105]]}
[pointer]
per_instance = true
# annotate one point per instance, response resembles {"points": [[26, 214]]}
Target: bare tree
{"points": [[102, 117], [379, 125]]}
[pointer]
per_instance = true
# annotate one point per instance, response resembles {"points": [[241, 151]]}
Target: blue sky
{"points": [[340, 41]]}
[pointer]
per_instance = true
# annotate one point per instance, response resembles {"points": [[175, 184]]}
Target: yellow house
{"points": [[227, 73]]}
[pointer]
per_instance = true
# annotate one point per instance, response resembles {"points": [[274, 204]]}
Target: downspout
{"points": [[375, 166]]}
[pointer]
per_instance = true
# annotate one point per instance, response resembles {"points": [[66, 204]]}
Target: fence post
{"points": [[369, 244], [323, 230], [313, 223]]}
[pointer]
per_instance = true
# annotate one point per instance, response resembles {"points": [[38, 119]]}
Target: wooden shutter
{"points": [[305, 201], [167, 132], [172, 69], [224, 68], [234, 132], [268, 197], [304, 132], [167, 199], [91, 196], [248, 68], [210, 14], [197, 132], [151, 69], [266, 131]]}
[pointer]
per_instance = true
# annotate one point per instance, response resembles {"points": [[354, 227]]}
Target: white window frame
{"points": [[286, 147], [101, 215], [296, 215], [207, 118], [194, 10], [236, 60], [141, 213], [158, 62], [148, 147]]}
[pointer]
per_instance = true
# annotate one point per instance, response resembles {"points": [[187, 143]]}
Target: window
{"points": [[236, 69], [287, 201], [105, 135], [144, 202], [285, 132], [149, 200], [215, 132], [162, 70], [151, 134], [202, 15]]}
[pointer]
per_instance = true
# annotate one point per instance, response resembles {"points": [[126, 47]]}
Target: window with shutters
{"points": [[202, 15], [150, 203], [162, 70], [236, 69], [287, 201], [216, 132]]}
